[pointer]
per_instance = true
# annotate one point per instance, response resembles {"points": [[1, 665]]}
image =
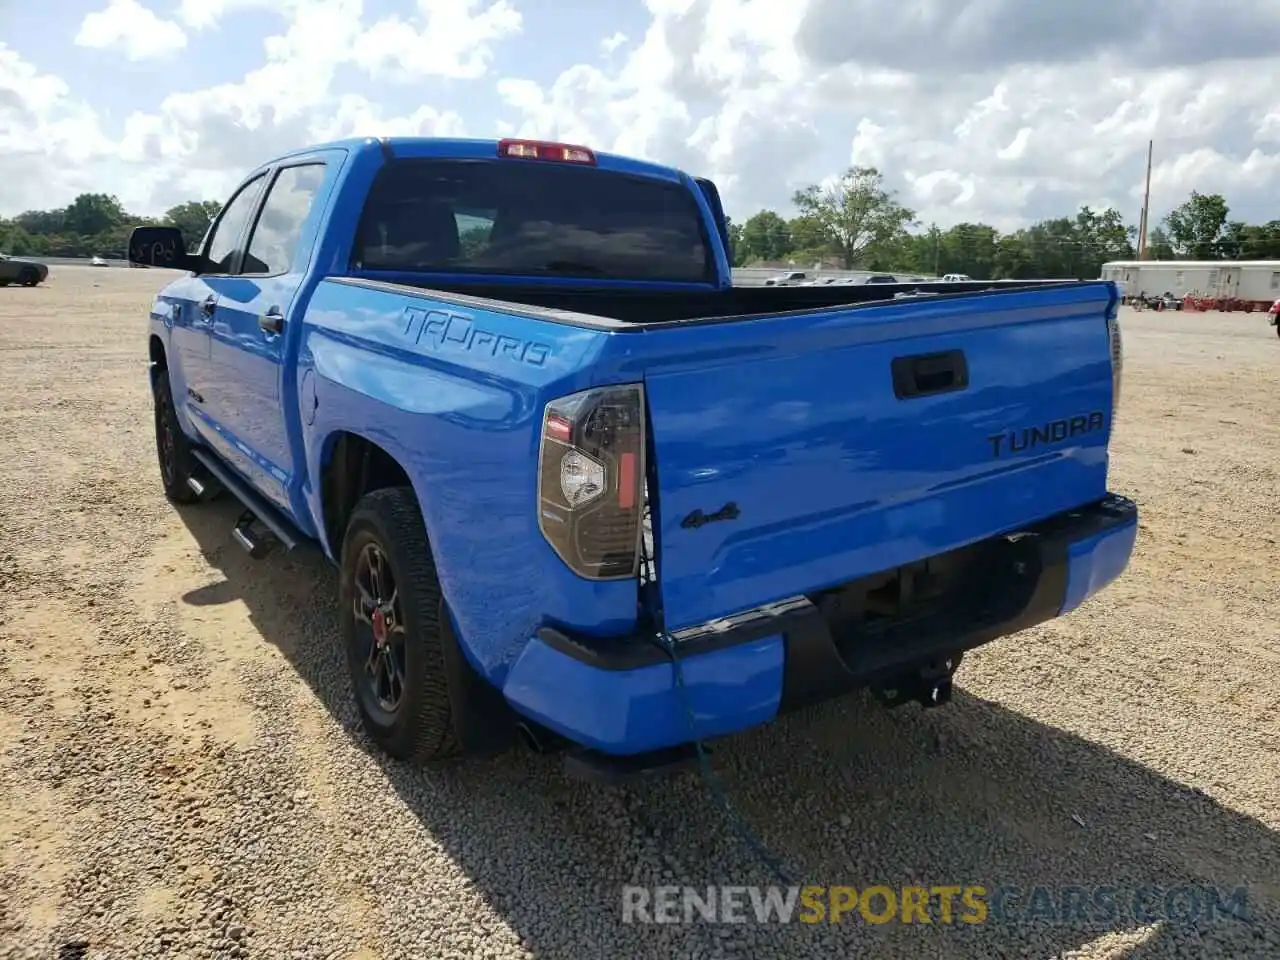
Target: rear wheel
{"points": [[29, 277], [389, 614], [177, 466]]}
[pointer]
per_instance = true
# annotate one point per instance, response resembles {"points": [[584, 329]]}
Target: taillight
{"points": [[545, 150], [591, 470], [1117, 360]]}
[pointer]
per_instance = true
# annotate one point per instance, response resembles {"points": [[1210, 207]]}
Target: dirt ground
{"points": [[181, 773]]}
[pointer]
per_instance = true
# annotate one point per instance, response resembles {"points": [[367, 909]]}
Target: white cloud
{"points": [[133, 29], [50, 143], [206, 14], [357, 117], [975, 110], [447, 38], [211, 137], [611, 43], [982, 110]]}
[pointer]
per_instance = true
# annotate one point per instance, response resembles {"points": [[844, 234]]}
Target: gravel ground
{"points": [[182, 775]]}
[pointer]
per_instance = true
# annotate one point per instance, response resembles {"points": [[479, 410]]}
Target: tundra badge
{"points": [[1053, 432]]}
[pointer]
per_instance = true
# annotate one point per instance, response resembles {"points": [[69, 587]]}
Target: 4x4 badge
{"points": [[698, 519]]}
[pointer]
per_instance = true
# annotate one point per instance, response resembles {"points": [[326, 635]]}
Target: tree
{"points": [[855, 213], [968, 248], [93, 213], [16, 241], [1196, 227], [808, 233], [765, 236], [1158, 245], [42, 222], [1259, 241], [1013, 258], [193, 219], [1101, 236], [855, 221], [734, 230]]}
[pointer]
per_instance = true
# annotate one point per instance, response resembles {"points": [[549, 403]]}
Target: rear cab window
{"points": [[504, 217]]}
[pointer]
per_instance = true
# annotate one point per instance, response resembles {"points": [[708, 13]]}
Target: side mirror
{"points": [[160, 247]]}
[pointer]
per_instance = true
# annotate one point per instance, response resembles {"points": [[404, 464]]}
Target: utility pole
{"points": [[1146, 208]]}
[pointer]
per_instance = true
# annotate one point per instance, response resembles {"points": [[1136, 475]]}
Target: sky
{"points": [[999, 111]]}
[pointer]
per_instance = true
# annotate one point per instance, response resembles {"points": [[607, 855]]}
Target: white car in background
{"points": [[956, 278]]}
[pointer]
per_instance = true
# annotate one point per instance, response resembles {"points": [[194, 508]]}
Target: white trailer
{"points": [[1256, 281]]}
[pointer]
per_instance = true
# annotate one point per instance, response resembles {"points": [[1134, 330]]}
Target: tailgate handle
{"points": [[927, 374]]}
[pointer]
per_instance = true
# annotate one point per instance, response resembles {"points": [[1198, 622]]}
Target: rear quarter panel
{"points": [[455, 395]]}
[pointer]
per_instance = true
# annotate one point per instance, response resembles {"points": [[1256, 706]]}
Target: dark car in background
{"points": [[26, 272]]}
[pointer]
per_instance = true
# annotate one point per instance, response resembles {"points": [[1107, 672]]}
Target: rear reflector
{"points": [[626, 481], [544, 150]]}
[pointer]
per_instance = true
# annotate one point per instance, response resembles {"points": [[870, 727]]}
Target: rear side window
{"points": [[279, 228], [530, 218]]}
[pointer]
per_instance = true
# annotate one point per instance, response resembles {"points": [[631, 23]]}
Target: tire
{"points": [[386, 530], [173, 450], [29, 277]]}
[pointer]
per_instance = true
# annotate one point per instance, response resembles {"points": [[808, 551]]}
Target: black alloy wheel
{"points": [[380, 634], [391, 616], [173, 451]]}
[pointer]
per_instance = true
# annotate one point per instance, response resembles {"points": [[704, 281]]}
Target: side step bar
{"points": [[280, 531]]}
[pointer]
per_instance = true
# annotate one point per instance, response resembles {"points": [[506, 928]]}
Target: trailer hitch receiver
{"points": [[928, 685]]}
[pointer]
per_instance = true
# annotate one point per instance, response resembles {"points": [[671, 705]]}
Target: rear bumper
{"points": [[617, 695]]}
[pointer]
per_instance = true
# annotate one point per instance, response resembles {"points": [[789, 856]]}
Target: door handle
{"points": [[931, 373], [272, 321], [207, 306]]}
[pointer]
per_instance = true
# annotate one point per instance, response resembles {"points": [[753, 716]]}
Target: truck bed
{"points": [[650, 307]]}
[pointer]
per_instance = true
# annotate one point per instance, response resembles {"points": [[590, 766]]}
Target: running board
{"points": [[280, 531]]}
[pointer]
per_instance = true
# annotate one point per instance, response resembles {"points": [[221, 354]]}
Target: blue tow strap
{"points": [[740, 827]]}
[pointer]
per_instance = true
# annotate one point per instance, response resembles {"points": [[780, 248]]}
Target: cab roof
{"points": [[463, 148]]}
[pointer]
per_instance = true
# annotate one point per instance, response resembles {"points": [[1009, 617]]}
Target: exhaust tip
{"points": [[529, 738], [537, 739]]}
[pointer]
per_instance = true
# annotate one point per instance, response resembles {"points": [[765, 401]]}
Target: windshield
{"points": [[531, 218]]}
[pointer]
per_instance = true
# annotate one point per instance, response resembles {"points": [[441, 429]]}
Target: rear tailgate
{"points": [[796, 452]]}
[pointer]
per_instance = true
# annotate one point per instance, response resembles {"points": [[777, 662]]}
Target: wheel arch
{"points": [[352, 466], [158, 360]]}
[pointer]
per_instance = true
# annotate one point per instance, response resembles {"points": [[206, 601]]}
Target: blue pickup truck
{"points": [[580, 489]]}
